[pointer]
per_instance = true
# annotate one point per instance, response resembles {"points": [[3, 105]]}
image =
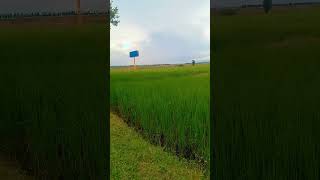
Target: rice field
{"points": [[169, 105], [54, 104], [266, 81]]}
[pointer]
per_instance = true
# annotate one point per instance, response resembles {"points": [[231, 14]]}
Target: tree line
{"points": [[39, 14]]}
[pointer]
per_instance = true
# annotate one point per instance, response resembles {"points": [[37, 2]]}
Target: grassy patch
{"points": [[132, 157]]}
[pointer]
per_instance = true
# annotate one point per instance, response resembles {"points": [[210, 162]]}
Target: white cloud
{"points": [[127, 37], [163, 31]]}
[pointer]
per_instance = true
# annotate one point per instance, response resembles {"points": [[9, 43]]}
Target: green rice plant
{"points": [[168, 105], [53, 108], [266, 88]]}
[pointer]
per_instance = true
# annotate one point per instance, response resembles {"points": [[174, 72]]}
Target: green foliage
{"points": [[53, 100], [169, 105], [266, 87], [114, 15]]}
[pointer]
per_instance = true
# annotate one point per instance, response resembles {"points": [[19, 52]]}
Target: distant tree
{"points": [[114, 15], [267, 5]]}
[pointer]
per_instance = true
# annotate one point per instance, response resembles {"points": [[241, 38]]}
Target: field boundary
{"points": [[134, 157], [55, 20], [140, 130]]}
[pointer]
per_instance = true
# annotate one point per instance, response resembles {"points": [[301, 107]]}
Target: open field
{"points": [[132, 157], [266, 88], [168, 105], [53, 106]]}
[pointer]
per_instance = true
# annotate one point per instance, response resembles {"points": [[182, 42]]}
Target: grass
{"points": [[266, 88], [168, 105], [132, 157], [53, 100]]}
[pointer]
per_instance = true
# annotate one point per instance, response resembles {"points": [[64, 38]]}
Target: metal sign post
{"points": [[134, 54]]}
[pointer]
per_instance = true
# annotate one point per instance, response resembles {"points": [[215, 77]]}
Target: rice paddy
{"points": [[168, 105], [53, 106], [266, 88]]}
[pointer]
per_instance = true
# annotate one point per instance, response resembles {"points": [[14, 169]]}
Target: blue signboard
{"points": [[134, 54]]}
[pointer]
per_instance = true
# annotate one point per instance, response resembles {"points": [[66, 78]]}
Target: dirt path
{"points": [[132, 157], [10, 170]]}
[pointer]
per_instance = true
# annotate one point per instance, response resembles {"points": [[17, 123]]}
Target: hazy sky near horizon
{"points": [[166, 31], [8, 6]]}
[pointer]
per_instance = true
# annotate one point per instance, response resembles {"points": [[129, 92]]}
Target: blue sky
{"points": [[166, 31]]}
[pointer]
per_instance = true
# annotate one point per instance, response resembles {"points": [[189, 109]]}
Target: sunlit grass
{"points": [[132, 157]]}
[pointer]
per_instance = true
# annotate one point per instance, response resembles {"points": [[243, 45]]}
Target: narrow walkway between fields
{"points": [[132, 157], [10, 170]]}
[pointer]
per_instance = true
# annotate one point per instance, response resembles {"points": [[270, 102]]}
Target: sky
{"points": [[8, 6], [164, 32]]}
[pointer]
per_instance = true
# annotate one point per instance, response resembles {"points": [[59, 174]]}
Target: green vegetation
{"points": [[266, 88], [12, 16], [114, 15], [168, 105], [53, 106], [132, 157]]}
